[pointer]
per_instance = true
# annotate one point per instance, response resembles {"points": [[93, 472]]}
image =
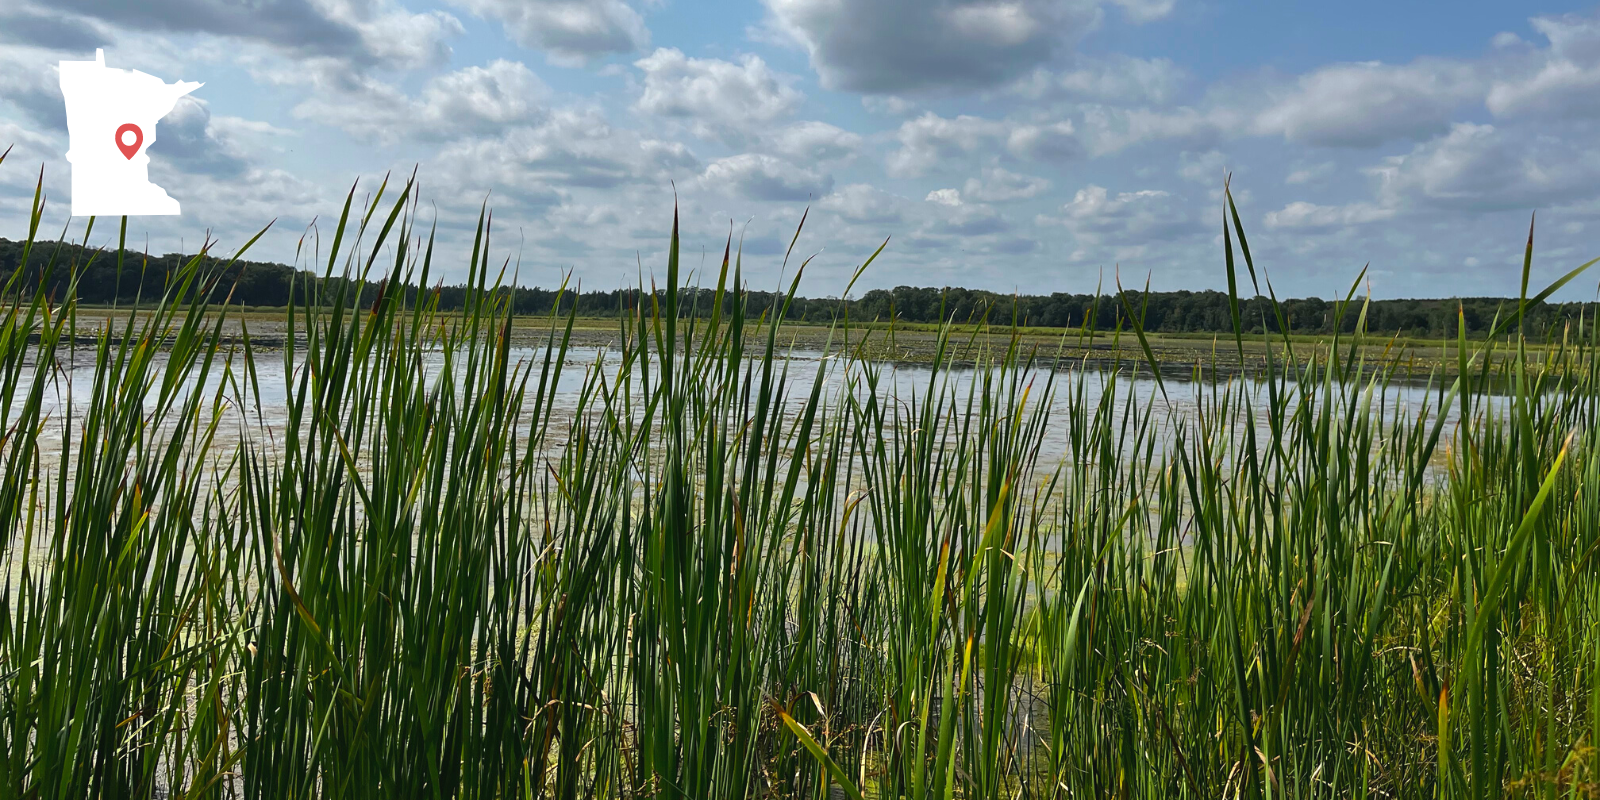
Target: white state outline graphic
{"points": [[99, 101]]}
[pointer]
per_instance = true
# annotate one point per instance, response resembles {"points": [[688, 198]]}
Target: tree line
{"points": [[265, 284]]}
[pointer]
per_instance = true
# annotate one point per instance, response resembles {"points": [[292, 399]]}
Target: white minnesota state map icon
{"points": [[111, 120]]}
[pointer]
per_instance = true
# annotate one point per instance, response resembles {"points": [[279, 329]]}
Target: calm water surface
{"points": [[909, 384]]}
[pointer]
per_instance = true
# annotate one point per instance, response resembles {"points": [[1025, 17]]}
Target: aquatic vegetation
{"points": [[718, 580]]}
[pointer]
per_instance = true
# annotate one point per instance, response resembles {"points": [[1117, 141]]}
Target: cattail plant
{"points": [[425, 559]]}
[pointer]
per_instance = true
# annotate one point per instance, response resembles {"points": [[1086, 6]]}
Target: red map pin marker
{"points": [[128, 150]]}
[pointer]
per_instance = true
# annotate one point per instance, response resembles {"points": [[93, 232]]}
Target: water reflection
{"points": [[1174, 403]]}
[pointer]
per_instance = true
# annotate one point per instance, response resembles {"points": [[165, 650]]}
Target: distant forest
{"points": [[262, 284]]}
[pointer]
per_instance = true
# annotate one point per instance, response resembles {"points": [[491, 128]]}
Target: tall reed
{"points": [[444, 565]]}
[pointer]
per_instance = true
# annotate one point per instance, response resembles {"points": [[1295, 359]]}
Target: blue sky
{"points": [[1013, 145]]}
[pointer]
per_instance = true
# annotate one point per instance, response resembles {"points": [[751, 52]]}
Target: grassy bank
{"points": [[720, 581], [1413, 360]]}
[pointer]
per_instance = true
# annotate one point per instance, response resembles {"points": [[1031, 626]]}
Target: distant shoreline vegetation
{"points": [[401, 557], [267, 284]]}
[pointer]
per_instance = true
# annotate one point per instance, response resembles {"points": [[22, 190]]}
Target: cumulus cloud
{"points": [[501, 93], [968, 219], [1095, 215], [1117, 78], [1367, 104], [364, 31], [889, 46], [864, 204], [931, 141], [1017, 105], [1146, 10], [716, 97], [35, 88], [1309, 174], [251, 198], [188, 137], [1564, 79], [470, 100], [14, 134], [1301, 215], [569, 149], [1482, 168], [1051, 141], [930, 138], [888, 104], [998, 185], [1560, 88], [27, 146], [1473, 169], [570, 32], [813, 141], [1206, 168], [1109, 130], [48, 28], [755, 176]]}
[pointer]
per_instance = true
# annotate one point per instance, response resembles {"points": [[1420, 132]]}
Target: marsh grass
{"points": [[718, 580]]}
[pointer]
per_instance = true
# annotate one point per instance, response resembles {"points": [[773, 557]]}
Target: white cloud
{"points": [[1309, 174], [1505, 39], [1051, 141], [189, 139], [502, 93], [364, 31], [570, 32], [1561, 88], [930, 138], [966, 219], [570, 149], [864, 204], [890, 46], [931, 141], [1109, 130], [714, 95], [32, 85], [1014, 105], [998, 185], [1471, 169], [470, 100], [27, 147], [1301, 215], [585, 215], [1146, 10], [755, 176], [1206, 168], [1118, 79], [1482, 168], [250, 199], [889, 105], [816, 142], [48, 28], [1095, 215], [1571, 36], [394, 36], [1367, 104], [1564, 79]]}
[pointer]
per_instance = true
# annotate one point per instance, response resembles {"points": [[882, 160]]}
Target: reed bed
{"points": [[717, 580]]}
